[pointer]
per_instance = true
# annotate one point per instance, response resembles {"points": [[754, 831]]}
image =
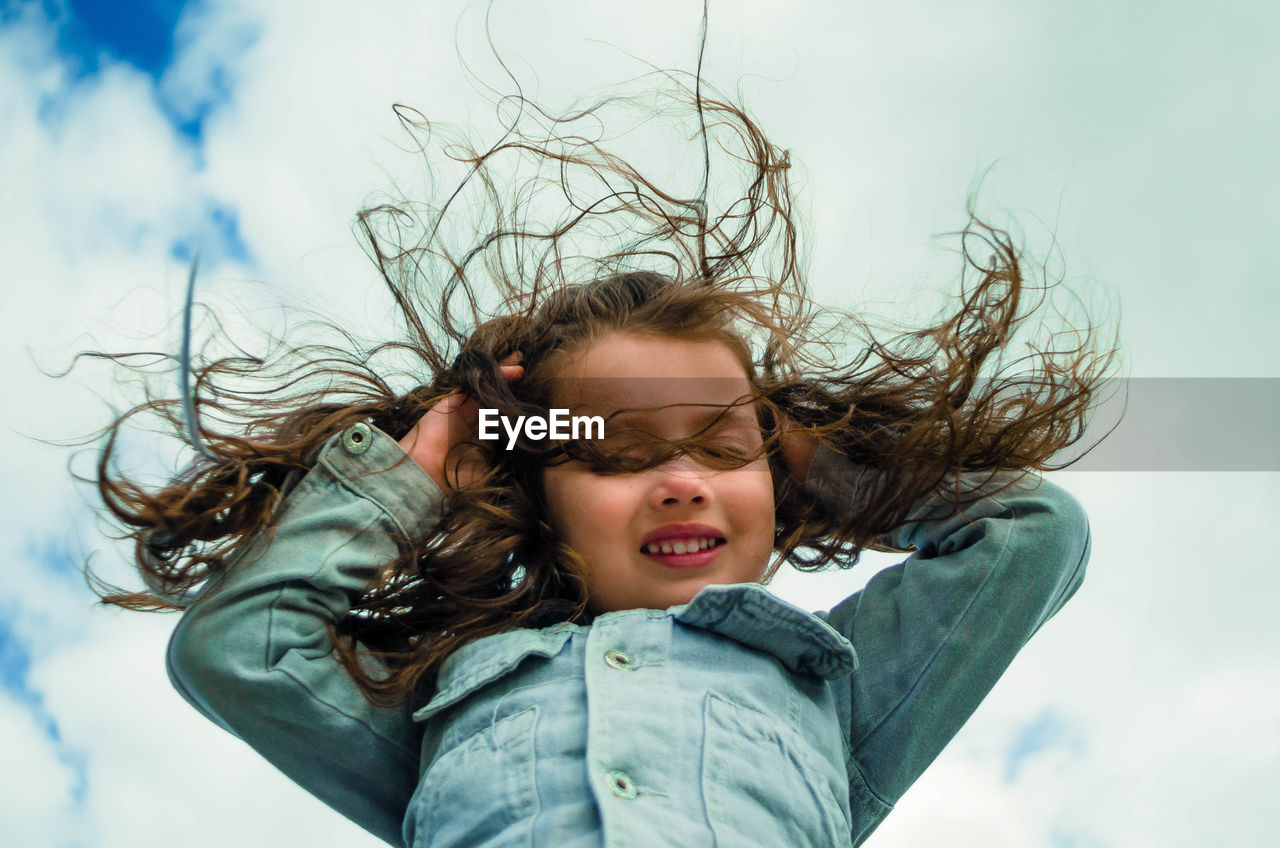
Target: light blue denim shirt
{"points": [[735, 719]]}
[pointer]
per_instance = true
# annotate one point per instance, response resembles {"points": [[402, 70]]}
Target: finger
{"points": [[512, 370]]}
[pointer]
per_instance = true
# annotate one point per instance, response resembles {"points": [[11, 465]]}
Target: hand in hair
{"points": [[448, 423]]}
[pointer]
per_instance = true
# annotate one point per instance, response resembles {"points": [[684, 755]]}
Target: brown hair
{"points": [[719, 262]]}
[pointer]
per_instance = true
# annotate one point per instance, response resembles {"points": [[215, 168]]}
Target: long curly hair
{"points": [[576, 241]]}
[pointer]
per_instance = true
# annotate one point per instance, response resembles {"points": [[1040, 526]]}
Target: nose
{"points": [[680, 481]]}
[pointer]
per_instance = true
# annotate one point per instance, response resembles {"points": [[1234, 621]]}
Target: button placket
{"points": [[630, 714]]}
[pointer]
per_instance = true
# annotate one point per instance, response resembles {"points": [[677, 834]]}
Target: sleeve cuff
{"points": [[372, 465]]}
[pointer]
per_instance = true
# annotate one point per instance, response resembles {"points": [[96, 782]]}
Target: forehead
{"points": [[623, 371]]}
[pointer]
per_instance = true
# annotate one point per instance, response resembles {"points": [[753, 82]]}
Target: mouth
{"points": [[689, 552]]}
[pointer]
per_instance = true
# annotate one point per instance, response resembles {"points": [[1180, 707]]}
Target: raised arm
{"points": [[253, 652], [934, 633]]}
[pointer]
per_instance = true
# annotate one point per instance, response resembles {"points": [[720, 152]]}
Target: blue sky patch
{"points": [[143, 34], [1073, 838], [15, 665], [56, 556], [137, 32], [220, 240], [1043, 733], [15, 661]]}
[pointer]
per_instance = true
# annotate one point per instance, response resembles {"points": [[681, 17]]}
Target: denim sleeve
{"points": [[253, 653], [935, 632]]}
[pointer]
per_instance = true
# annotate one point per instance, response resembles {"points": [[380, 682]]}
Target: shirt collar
{"points": [[745, 612], [750, 614]]}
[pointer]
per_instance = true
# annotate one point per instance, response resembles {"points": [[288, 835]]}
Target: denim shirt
{"points": [[735, 719]]}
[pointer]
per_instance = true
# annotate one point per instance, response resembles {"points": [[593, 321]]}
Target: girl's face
{"points": [[653, 538]]}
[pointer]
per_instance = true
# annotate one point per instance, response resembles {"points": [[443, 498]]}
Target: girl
{"points": [[457, 641]]}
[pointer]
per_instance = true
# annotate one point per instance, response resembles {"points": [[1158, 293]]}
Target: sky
{"points": [[1133, 147]]}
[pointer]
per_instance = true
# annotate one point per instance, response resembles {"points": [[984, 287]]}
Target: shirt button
{"points": [[620, 660], [357, 438], [621, 784]]}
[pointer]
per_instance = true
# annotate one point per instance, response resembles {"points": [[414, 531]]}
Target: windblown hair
{"points": [[577, 241]]}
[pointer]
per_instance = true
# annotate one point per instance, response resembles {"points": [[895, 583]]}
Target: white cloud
{"points": [[157, 770], [40, 790], [1161, 674]]}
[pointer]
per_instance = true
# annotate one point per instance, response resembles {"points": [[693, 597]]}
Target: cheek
{"points": [[756, 489], [584, 506], [557, 490], [753, 495]]}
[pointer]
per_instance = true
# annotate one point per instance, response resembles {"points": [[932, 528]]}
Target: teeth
{"points": [[680, 546]]}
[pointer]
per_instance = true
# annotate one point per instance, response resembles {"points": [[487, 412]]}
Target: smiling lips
{"points": [[683, 545]]}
